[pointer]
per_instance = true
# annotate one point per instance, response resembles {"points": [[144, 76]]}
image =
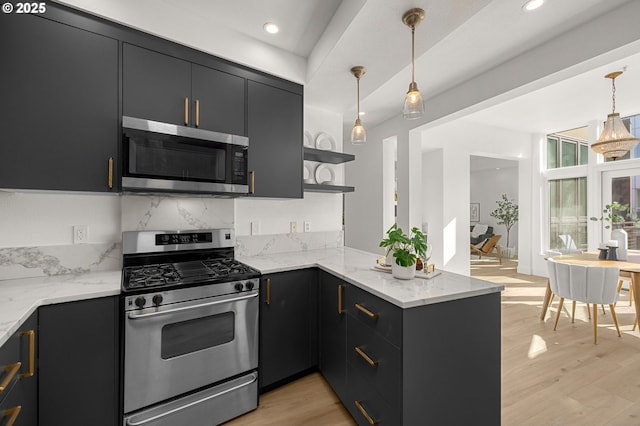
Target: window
{"points": [[563, 151], [568, 214]]}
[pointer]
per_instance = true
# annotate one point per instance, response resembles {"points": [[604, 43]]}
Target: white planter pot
{"points": [[403, 272], [621, 236], [508, 252]]}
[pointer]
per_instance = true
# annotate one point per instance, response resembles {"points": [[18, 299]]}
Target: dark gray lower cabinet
{"points": [[288, 325], [332, 329], [78, 363], [59, 108], [19, 397], [433, 364]]}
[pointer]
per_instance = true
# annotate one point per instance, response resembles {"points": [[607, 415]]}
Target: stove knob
{"points": [[157, 299], [239, 286], [140, 301], [249, 285]]}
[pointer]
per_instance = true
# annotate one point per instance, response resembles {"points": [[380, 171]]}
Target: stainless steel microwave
{"points": [[162, 157]]}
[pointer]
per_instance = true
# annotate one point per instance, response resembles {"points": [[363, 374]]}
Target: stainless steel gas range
{"points": [[190, 329]]}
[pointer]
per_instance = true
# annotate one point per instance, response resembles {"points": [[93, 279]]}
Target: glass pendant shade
{"points": [[615, 140], [413, 103], [413, 106], [358, 134]]}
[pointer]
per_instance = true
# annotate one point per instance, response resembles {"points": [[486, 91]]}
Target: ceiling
{"points": [[320, 40]]}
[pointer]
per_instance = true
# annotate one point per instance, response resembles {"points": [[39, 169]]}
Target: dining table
{"points": [[629, 268]]}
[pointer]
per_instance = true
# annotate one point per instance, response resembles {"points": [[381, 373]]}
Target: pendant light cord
{"points": [[613, 94], [358, 94], [413, 32]]}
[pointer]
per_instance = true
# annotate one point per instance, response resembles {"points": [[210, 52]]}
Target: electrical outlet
{"points": [[80, 234], [307, 226], [255, 227], [293, 227]]}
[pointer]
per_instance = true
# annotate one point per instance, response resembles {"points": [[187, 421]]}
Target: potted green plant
{"points": [[405, 250], [506, 214]]}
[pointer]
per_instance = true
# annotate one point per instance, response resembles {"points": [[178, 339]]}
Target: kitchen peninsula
{"points": [[396, 352]]}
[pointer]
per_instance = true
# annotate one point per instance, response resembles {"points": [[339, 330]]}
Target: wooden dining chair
{"points": [[488, 247], [596, 285]]}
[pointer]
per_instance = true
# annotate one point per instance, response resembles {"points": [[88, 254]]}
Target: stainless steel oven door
{"points": [[177, 348]]}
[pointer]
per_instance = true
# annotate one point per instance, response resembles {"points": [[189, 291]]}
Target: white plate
{"points": [[308, 139], [308, 173], [325, 141], [325, 174]]}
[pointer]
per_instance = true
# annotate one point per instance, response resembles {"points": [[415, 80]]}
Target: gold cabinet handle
{"points": [[197, 112], [186, 111], [12, 413], [32, 353], [268, 298], [364, 413], [252, 174], [11, 370], [366, 357], [340, 290], [366, 311], [110, 178]]}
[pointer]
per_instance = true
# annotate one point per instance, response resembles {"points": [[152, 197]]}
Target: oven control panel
{"points": [[160, 298]]}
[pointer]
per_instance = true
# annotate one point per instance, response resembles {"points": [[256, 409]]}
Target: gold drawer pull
{"points": [[366, 357], [12, 370], [268, 296], [110, 177], [364, 413], [366, 311], [340, 290], [186, 111], [32, 353], [197, 113], [252, 175], [13, 413]]}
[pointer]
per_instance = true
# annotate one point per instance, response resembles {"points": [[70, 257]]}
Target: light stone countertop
{"points": [[354, 266], [19, 298]]}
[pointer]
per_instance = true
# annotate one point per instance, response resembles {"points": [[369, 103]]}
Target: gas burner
{"points": [[151, 275], [226, 267]]}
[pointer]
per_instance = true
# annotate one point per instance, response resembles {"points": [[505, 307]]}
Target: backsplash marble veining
{"points": [[139, 212], [27, 262], [258, 245]]}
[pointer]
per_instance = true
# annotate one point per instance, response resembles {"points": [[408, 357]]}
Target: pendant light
{"points": [[358, 134], [413, 104], [615, 140]]}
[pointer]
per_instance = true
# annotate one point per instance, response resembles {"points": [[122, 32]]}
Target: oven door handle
{"points": [[252, 379], [134, 316]]}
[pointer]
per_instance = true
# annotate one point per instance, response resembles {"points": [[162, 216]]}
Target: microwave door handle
{"points": [[191, 404], [135, 316]]}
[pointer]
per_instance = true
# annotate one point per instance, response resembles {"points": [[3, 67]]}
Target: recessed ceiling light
{"points": [[530, 5], [271, 28]]}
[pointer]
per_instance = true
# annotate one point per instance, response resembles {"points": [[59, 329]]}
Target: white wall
{"points": [[487, 186]]}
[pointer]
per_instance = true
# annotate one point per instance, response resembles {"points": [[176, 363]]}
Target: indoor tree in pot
{"points": [[506, 214], [405, 250]]}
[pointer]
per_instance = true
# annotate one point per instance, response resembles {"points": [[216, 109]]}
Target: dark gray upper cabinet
{"points": [[275, 141], [59, 106], [163, 88], [79, 363], [288, 325]]}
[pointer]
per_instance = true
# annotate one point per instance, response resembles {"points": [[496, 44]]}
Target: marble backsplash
{"points": [[27, 262], [57, 256], [257, 245]]}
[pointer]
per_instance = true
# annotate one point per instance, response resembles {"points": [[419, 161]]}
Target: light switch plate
{"points": [[293, 227], [255, 227]]}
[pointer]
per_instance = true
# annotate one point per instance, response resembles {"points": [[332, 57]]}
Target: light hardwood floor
{"points": [[548, 378]]}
